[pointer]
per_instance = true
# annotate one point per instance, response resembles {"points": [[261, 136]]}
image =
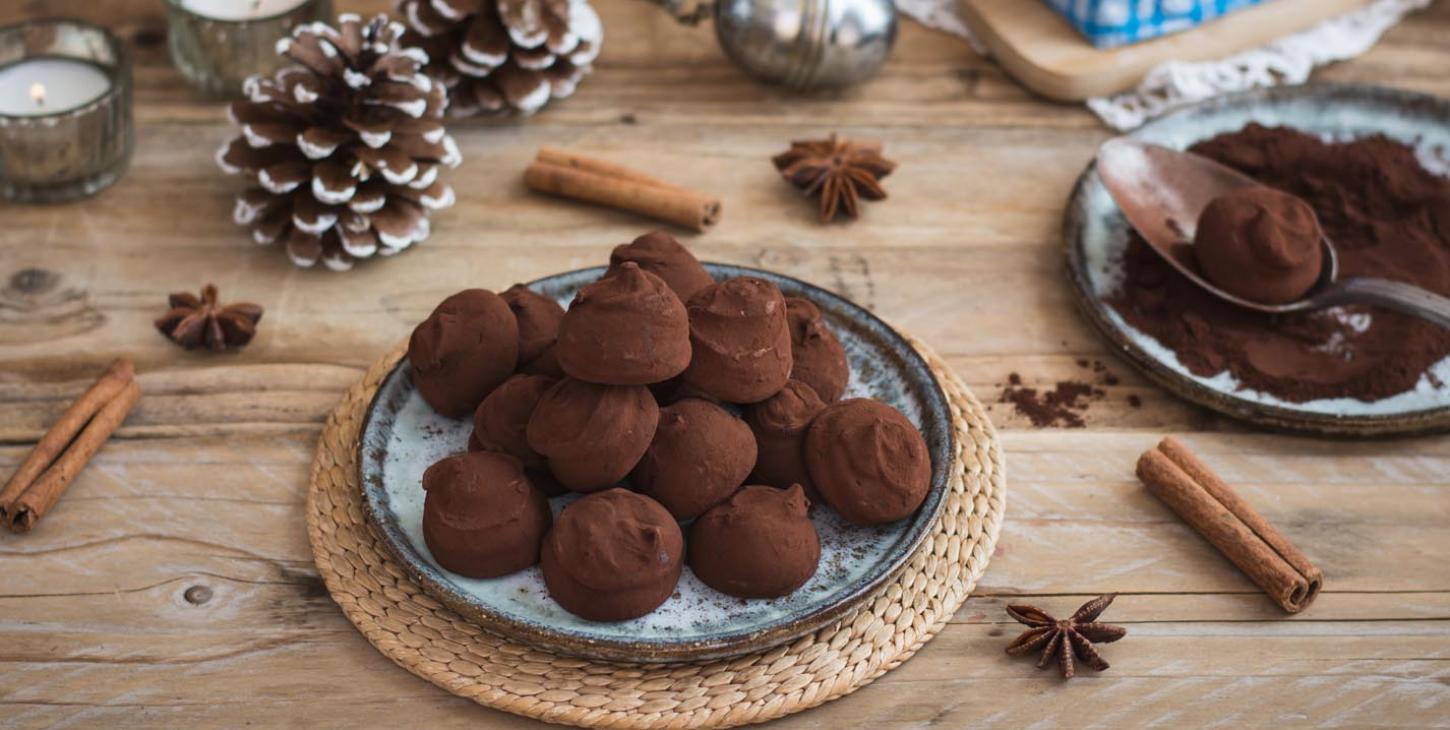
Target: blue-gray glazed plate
{"points": [[1096, 234], [402, 436]]}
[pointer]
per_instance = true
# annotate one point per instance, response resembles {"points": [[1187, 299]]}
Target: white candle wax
{"points": [[41, 86], [240, 9]]}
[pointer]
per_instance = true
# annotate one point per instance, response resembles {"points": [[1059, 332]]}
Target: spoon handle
{"points": [[1395, 295]]}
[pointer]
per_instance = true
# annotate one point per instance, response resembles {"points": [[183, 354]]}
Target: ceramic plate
{"points": [[1097, 234], [402, 436]]}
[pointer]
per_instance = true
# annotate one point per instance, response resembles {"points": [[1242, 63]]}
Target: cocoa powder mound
{"points": [[1387, 216]]}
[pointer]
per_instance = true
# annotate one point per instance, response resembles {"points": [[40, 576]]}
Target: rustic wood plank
{"points": [[202, 493]]}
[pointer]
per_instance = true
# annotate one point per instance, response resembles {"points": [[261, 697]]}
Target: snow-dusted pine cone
{"points": [[344, 148], [501, 56]]}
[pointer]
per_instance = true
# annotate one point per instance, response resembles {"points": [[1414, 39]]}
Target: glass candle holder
{"points": [[65, 110], [217, 44]]}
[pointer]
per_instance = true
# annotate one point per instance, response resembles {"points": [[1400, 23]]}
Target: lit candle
{"points": [[40, 86], [65, 110], [240, 9], [218, 44]]}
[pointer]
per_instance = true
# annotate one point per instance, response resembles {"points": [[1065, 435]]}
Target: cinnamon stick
{"points": [[556, 156], [64, 430], [1190, 488], [573, 176], [42, 495]]}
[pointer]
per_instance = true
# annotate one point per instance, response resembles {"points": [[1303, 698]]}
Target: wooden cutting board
{"points": [[1040, 49]]}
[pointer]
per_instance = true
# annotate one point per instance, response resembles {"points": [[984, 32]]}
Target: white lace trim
{"points": [[1288, 60], [1174, 84]]}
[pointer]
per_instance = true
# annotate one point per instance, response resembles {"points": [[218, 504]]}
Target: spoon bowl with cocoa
{"points": [[1245, 243]]}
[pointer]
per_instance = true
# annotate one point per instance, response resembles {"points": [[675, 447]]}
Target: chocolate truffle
{"points": [[868, 461], [817, 358], [612, 555], [675, 389], [760, 543], [463, 350], [538, 317], [660, 254], [1259, 244], [481, 516], [547, 363], [538, 476], [502, 419], [592, 435], [628, 328], [779, 424], [740, 339], [699, 456]]}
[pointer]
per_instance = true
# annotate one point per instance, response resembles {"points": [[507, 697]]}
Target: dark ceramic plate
{"points": [[1096, 235], [402, 436]]}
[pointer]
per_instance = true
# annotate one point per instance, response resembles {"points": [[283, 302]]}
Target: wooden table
{"points": [[174, 585]]}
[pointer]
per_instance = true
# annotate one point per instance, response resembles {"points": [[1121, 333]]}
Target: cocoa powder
{"points": [[1387, 216], [1068, 400]]}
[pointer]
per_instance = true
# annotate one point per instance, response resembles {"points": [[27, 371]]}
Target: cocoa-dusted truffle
{"points": [[538, 317], [502, 419], [612, 555], [779, 425], [675, 389], [628, 328], [547, 363], [868, 461], [760, 543], [463, 350], [740, 340], [481, 516], [539, 477], [592, 435], [546, 482], [699, 456], [660, 254], [1260, 244], [817, 358]]}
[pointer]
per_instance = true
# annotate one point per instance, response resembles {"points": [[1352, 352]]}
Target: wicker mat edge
{"points": [[418, 633]]}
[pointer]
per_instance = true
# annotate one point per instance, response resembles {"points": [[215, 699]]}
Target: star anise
{"points": [[1068, 637], [837, 170], [200, 322]]}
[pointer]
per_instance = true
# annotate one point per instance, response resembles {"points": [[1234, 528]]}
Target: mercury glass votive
{"points": [[65, 110], [217, 44]]}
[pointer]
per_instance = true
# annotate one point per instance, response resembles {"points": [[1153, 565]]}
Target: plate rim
{"points": [[1276, 417], [725, 645]]}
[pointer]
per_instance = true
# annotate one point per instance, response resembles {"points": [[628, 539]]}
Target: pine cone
{"points": [[344, 148], [500, 56]]}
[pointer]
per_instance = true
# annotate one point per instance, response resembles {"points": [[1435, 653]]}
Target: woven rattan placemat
{"points": [[433, 642]]}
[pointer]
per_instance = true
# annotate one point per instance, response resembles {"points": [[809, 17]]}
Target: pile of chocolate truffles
{"points": [[663, 397]]}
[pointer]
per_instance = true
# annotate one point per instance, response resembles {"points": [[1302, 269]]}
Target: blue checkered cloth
{"points": [[1109, 23]]}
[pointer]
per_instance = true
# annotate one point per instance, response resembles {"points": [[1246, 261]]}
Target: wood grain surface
{"points": [[173, 584]]}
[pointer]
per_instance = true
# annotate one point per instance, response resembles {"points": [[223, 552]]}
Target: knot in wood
{"points": [[197, 595]]}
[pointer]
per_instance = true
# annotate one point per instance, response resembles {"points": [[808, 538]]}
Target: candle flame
{"points": [[37, 92]]}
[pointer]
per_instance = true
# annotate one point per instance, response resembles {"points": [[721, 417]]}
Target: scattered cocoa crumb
{"points": [[1065, 404], [1059, 406]]}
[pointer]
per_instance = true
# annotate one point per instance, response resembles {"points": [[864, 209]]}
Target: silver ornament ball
{"points": [[807, 44]]}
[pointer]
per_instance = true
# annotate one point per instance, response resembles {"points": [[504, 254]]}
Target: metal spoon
{"points": [[1162, 191]]}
